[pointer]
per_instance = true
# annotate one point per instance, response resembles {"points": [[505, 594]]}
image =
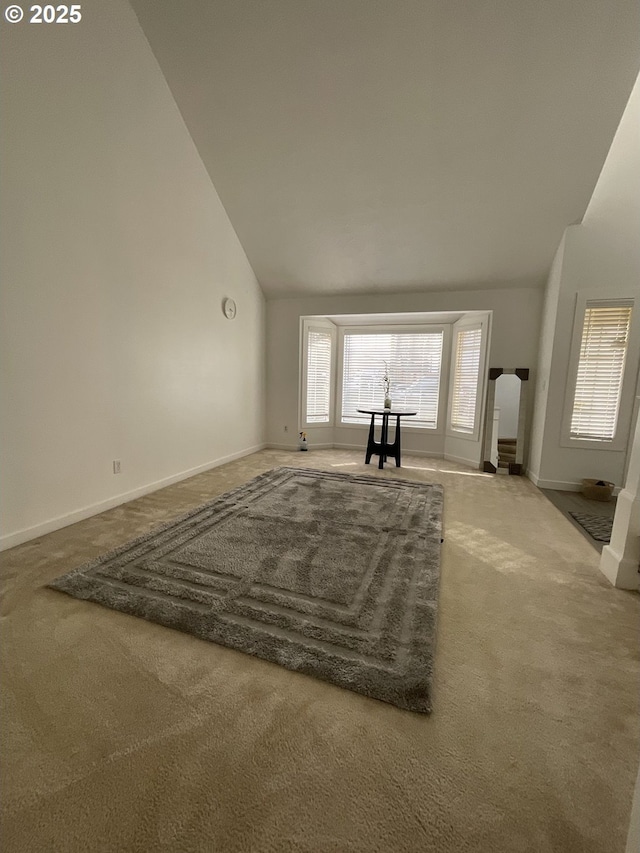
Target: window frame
{"points": [[466, 325], [443, 328], [317, 324], [592, 299]]}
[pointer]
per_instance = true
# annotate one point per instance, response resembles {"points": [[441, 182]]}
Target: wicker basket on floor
{"points": [[597, 490]]}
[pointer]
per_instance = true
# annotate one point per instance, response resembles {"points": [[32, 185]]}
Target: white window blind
{"points": [[603, 349], [318, 376], [465, 380], [414, 360]]}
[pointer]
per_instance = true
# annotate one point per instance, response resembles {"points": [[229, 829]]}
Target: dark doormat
{"points": [[597, 526]]}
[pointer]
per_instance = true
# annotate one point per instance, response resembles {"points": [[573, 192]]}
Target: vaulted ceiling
{"points": [[369, 145]]}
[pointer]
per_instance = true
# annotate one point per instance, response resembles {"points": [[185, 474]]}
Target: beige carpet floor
{"points": [[121, 735]]}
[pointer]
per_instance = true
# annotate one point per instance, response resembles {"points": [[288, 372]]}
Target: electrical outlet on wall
{"points": [[286, 428], [116, 466]]}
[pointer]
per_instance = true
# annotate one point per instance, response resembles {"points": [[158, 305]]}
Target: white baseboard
{"points": [[621, 571], [462, 461], [294, 448], [362, 447], [559, 485], [342, 446], [405, 451], [10, 540]]}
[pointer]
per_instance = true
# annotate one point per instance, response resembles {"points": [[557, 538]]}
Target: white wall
{"points": [[601, 256], [514, 343], [633, 837], [545, 359], [621, 556], [116, 256]]}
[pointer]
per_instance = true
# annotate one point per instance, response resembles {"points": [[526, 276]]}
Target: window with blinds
{"points": [[318, 376], [603, 349], [464, 393], [414, 362]]}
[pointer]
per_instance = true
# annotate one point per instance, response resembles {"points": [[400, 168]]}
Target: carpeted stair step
{"points": [[506, 451]]}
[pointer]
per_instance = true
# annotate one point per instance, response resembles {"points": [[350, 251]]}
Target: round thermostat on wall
{"points": [[229, 308]]}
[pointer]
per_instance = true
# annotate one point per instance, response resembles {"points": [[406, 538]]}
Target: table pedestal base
{"points": [[383, 448]]}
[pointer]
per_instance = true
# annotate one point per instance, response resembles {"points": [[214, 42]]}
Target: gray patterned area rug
{"points": [[329, 574], [599, 527]]}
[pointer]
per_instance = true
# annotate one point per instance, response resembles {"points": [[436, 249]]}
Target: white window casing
{"points": [[318, 370], [318, 376], [465, 375], [468, 377], [414, 357], [597, 394]]}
